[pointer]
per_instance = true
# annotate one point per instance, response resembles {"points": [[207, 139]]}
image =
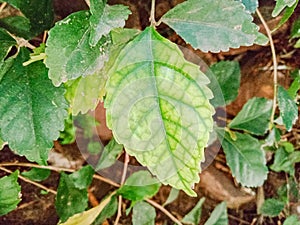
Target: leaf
{"points": [[6, 43], [143, 214], [288, 108], [271, 207], [108, 211], [104, 18], [172, 196], [254, 116], [251, 5], [18, 25], [10, 193], [72, 194], [88, 216], [245, 158], [157, 107], [139, 186], [194, 216], [68, 135], [292, 220], [109, 155], [281, 5], [294, 87], [282, 162], [218, 216], [228, 75], [212, 25], [37, 174], [69, 54], [295, 31], [32, 110]]}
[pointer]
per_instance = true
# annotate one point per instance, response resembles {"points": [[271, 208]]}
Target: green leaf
{"points": [[294, 88], [69, 54], [108, 211], [228, 77], [282, 162], [139, 186], [109, 155], [68, 135], [218, 216], [287, 14], [245, 158], [10, 193], [295, 31], [251, 5], [6, 42], [297, 45], [292, 220], [212, 25], [143, 214], [37, 174], [157, 107], [32, 110], [172, 196], [271, 207], [254, 116], [72, 196], [104, 18], [281, 5], [194, 216], [18, 25], [288, 108]]}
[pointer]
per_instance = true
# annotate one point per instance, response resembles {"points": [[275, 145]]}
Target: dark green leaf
{"points": [[254, 116], [69, 54], [295, 32], [32, 110], [288, 108], [212, 25], [18, 25], [109, 210], [104, 18], [83, 177], [271, 207], [139, 186], [6, 42], [292, 220], [68, 136], [227, 74], [143, 214], [194, 216], [37, 174], [109, 155], [10, 193], [218, 216], [282, 162], [245, 158], [295, 86]]}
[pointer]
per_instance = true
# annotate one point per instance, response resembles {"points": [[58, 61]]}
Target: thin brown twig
{"points": [[30, 181], [152, 14], [119, 213]]}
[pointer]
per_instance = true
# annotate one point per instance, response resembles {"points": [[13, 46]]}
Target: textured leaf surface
{"points": [[254, 116], [139, 186], [218, 216], [10, 193], [212, 25], [271, 207], [37, 174], [157, 107], [32, 110], [282, 162], [194, 216], [104, 18], [6, 42], [251, 5], [143, 214], [69, 54], [245, 158], [292, 220], [228, 76], [288, 108], [281, 5]]}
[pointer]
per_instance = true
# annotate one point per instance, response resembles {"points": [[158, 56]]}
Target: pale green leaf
{"points": [[292, 220], [218, 216], [297, 45], [69, 54], [6, 42], [271, 207], [288, 108], [228, 75], [139, 186], [10, 193], [254, 116], [143, 214], [109, 155], [37, 174], [251, 5], [172, 196], [108, 211], [212, 25], [245, 158], [32, 110], [287, 14], [104, 18], [158, 108], [87, 217], [194, 216], [281, 5]]}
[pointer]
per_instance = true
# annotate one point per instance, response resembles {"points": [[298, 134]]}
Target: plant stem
{"points": [[3, 5], [152, 14], [30, 181], [275, 67]]}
